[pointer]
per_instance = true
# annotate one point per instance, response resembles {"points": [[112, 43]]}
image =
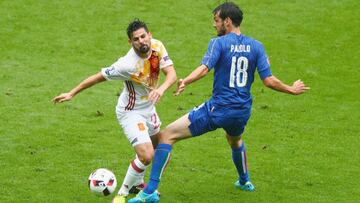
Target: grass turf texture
{"points": [[299, 149]]}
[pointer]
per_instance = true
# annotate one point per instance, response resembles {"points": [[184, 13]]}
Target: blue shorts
{"points": [[209, 116]]}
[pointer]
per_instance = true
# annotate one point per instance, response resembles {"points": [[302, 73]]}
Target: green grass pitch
{"points": [[300, 149]]}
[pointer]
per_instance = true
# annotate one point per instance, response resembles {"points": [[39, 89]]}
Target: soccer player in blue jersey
{"points": [[234, 58]]}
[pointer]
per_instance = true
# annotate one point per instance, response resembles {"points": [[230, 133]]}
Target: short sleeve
{"points": [[262, 63], [117, 71], [164, 57], [212, 54]]}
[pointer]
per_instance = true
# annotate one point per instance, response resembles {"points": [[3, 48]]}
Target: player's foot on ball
{"points": [[142, 197], [119, 199], [136, 188], [248, 186]]}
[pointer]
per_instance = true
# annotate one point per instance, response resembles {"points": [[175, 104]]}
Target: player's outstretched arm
{"points": [[88, 82], [170, 79], [298, 86], [197, 74]]}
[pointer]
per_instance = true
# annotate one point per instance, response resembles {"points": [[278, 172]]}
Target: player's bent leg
{"points": [[175, 131], [136, 170], [140, 185]]}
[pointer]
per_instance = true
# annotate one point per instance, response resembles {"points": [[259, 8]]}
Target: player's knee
{"points": [[145, 154], [146, 158], [235, 142]]}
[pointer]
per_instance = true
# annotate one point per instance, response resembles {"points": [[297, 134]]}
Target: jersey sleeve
{"points": [[262, 63], [117, 71], [212, 55], [164, 57]]}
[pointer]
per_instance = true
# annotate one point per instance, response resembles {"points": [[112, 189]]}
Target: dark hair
{"points": [[135, 25], [231, 10]]}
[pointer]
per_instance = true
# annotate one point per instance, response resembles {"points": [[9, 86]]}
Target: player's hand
{"points": [[299, 87], [62, 97], [180, 87], [155, 95]]}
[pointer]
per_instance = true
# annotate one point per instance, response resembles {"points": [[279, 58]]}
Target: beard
{"points": [[144, 49], [221, 31]]}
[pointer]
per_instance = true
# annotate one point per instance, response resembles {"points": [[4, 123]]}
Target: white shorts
{"points": [[139, 125]]}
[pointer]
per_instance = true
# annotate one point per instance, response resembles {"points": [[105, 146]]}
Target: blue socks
{"points": [[239, 159], [161, 158]]}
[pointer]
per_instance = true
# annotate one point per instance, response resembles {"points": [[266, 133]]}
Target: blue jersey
{"points": [[234, 59]]}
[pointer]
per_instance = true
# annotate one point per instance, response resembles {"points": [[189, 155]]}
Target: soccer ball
{"points": [[102, 182]]}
